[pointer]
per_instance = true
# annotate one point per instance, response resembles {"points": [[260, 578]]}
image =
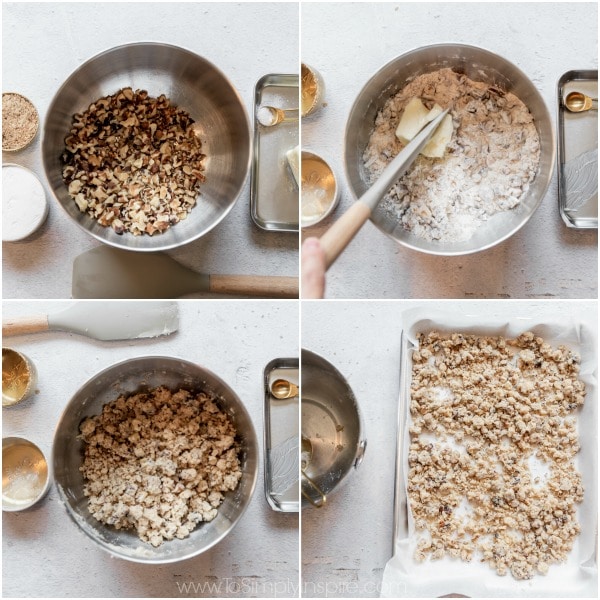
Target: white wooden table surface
{"points": [[42, 43], [347, 543], [349, 42], [45, 554]]}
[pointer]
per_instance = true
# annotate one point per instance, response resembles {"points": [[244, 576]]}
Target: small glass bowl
{"points": [[32, 128], [19, 377], [25, 474], [14, 198], [319, 190], [312, 90]]}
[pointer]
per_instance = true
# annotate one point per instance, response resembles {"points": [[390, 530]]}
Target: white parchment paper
{"points": [[578, 577]]}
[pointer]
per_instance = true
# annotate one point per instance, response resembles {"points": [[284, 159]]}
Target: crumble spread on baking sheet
{"points": [[159, 462], [493, 440]]}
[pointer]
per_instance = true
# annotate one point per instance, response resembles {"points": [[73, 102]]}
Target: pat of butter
{"points": [[293, 158], [414, 118], [436, 146]]}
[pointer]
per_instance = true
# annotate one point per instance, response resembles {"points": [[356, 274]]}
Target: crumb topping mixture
{"points": [[159, 462], [493, 442], [490, 162]]}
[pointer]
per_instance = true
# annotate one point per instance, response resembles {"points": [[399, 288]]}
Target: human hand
{"points": [[313, 269]]}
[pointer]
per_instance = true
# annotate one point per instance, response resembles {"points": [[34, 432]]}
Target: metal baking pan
{"points": [[274, 196], [578, 154], [282, 435]]}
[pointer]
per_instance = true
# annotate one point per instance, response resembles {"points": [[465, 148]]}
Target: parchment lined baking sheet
{"points": [[578, 577]]}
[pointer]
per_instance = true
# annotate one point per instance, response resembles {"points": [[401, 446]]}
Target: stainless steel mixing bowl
{"points": [[479, 65], [332, 423], [128, 377], [191, 83]]}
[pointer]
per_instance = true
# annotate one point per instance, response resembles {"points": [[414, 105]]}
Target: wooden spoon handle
{"points": [[339, 235], [24, 325], [255, 285]]}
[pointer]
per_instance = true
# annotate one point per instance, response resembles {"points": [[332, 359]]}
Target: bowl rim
{"points": [[336, 197], [551, 161], [49, 478], [111, 549], [362, 440], [240, 100], [35, 225]]}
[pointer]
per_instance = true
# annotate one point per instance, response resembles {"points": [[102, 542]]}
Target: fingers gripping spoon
{"points": [[339, 235], [106, 272]]}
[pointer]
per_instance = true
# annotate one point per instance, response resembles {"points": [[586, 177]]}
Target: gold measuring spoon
{"points": [[270, 115], [578, 102], [283, 389]]}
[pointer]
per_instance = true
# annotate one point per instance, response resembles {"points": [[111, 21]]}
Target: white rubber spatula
{"points": [[341, 233], [102, 320], [106, 272]]}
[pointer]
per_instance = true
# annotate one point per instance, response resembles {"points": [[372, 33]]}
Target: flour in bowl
{"points": [[488, 165]]}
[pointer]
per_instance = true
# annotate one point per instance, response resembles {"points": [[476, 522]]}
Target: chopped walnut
{"points": [[483, 409], [133, 162], [159, 462]]}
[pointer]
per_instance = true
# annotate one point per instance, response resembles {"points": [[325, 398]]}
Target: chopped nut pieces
{"points": [[20, 121], [133, 162], [159, 462], [483, 410]]}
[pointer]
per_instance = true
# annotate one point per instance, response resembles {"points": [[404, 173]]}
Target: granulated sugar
{"points": [[491, 160], [24, 206]]}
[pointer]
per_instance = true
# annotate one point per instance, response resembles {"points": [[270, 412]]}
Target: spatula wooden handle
{"points": [[24, 325], [255, 285], [341, 233]]}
